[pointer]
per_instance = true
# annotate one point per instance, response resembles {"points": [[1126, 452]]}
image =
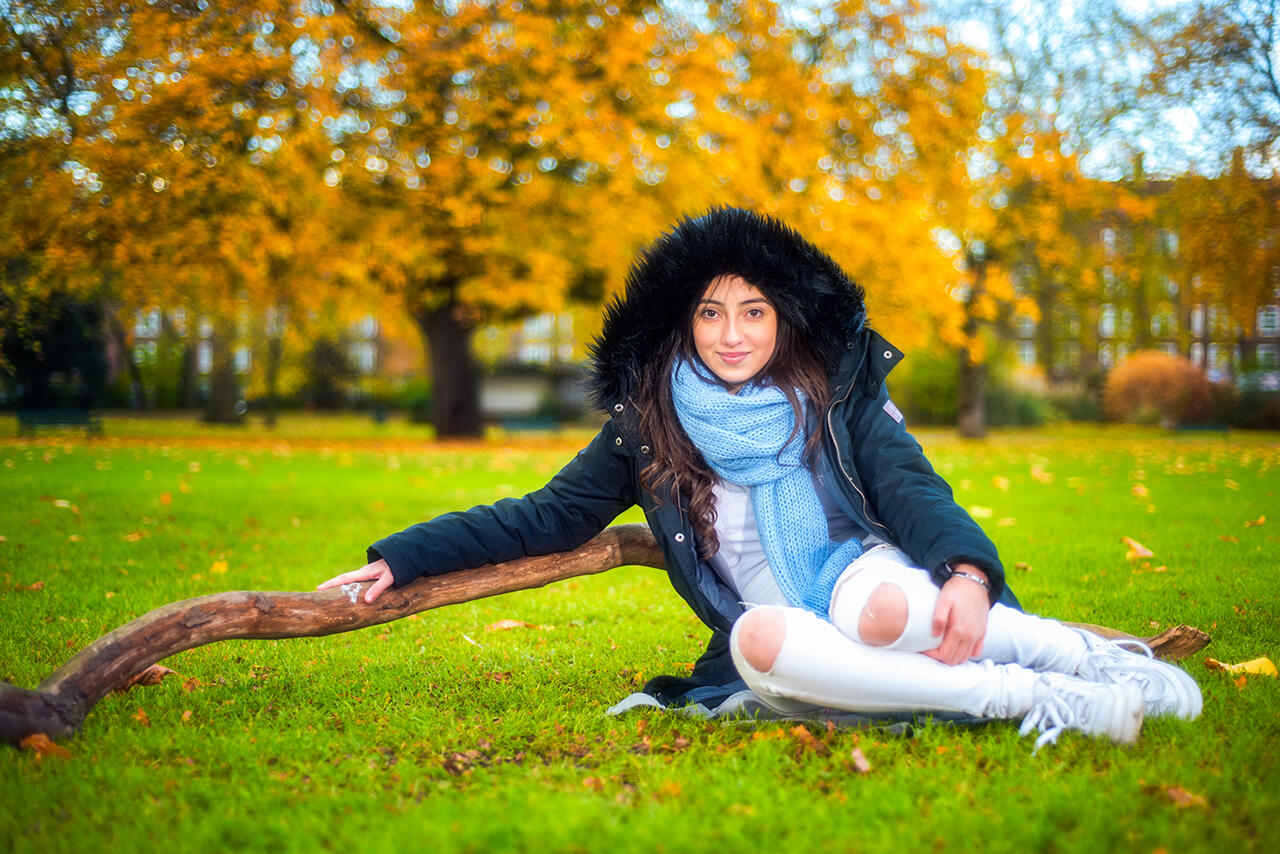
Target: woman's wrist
{"points": [[969, 573]]}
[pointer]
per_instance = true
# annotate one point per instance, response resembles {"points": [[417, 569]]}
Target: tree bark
{"points": [[58, 707], [971, 381], [224, 386], [455, 386]]}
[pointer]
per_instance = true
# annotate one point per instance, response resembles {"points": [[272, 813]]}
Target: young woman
{"points": [[799, 520]]}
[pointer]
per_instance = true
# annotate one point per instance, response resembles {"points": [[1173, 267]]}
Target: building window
{"points": [[366, 327], [146, 323], [1068, 357], [1026, 326], [1197, 321], [1268, 356], [204, 357], [364, 356], [1162, 323], [1026, 353], [1269, 320], [1169, 348], [1106, 354], [1107, 321], [243, 360]]}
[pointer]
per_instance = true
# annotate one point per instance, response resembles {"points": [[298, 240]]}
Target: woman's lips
{"points": [[733, 358]]}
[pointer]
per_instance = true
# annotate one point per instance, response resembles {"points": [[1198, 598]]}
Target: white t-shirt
{"points": [[741, 561]]}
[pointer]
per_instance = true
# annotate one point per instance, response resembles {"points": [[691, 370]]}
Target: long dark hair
{"points": [[676, 465]]}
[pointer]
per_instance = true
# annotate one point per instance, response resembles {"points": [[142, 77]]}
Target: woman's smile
{"points": [[735, 330]]}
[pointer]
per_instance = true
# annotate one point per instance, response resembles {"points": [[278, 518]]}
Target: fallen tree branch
{"points": [[58, 707]]}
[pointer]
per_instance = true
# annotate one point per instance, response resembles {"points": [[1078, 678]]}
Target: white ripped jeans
{"points": [[823, 663]]}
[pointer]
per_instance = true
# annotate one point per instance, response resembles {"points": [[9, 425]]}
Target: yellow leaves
{"points": [[1139, 490], [218, 567], [1136, 549], [134, 536], [1040, 475], [503, 625], [1254, 523], [1231, 484], [141, 717], [1255, 667]]}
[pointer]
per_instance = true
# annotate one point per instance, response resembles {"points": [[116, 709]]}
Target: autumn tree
{"points": [[184, 140]]}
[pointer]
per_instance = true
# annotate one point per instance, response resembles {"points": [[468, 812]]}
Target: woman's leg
{"points": [[884, 600], [793, 659]]}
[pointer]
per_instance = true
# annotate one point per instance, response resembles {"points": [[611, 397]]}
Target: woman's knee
{"points": [[884, 616], [758, 635]]}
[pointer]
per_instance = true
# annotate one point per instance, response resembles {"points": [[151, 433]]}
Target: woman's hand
{"points": [[960, 618], [378, 572]]}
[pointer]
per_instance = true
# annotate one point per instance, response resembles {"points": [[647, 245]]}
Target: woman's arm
{"points": [[913, 501], [575, 505]]}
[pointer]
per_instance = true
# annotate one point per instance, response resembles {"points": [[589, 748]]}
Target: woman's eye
{"points": [[708, 314]]}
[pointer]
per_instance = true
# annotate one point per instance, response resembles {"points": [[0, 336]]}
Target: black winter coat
{"points": [[875, 470]]}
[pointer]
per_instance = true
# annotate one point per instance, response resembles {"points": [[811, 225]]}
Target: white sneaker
{"points": [[1167, 689], [1094, 708]]}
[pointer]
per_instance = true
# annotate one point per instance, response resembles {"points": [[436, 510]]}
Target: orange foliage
{"points": [[1152, 386]]}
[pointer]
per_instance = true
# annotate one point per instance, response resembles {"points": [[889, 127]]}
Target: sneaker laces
{"points": [[1051, 715], [1117, 660]]}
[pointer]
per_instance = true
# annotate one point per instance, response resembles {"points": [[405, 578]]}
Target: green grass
{"points": [[435, 733]]}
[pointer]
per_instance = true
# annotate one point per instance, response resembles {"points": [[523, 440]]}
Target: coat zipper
{"points": [[866, 511]]}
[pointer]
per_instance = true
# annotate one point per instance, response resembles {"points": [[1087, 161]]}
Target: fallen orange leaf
{"points": [[1136, 549], [41, 745], [218, 568], [1253, 523], [153, 675], [166, 498], [1183, 798], [509, 624], [133, 536], [141, 717], [39, 585]]}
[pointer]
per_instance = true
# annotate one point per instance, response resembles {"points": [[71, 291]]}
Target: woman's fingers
{"points": [[368, 572], [382, 583]]}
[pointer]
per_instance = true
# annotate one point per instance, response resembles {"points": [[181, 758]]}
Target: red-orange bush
{"points": [[1152, 387]]}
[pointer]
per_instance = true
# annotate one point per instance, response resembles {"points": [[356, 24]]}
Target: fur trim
{"points": [[818, 299]]}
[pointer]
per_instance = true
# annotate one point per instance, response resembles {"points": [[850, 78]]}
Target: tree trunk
{"points": [[455, 387], [971, 382], [275, 349], [59, 706], [224, 386], [971, 390]]}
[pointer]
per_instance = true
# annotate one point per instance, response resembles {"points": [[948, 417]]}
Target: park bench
{"points": [[29, 420]]}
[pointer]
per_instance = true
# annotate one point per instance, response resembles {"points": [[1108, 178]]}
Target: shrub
{"points": [[1152, 387]]}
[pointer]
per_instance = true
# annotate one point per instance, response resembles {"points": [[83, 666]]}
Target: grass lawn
{"points": [[437, 732]]}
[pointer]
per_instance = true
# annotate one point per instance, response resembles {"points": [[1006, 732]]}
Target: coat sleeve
{"points": [[583, 497], [911, 499]]}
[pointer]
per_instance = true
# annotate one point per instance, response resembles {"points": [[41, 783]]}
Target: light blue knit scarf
{"points": [[743, 437]]}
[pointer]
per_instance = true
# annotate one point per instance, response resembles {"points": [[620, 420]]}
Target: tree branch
{"points": [[59, 706]]}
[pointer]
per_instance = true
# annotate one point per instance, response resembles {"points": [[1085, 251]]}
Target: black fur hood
{"points": [[817, 297]]}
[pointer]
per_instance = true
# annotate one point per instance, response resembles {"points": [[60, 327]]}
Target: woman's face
{"points": [[735, 330]]}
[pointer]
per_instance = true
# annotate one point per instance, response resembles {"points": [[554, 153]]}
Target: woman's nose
{"points": [[732, 331]]}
